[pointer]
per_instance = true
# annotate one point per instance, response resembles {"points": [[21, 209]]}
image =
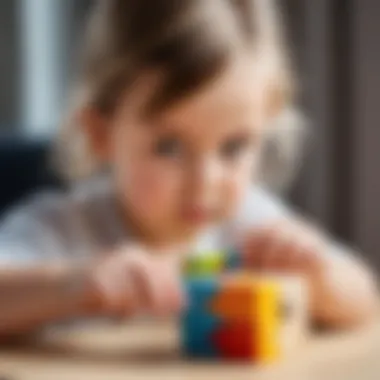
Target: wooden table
{"points": [[149, 351]]}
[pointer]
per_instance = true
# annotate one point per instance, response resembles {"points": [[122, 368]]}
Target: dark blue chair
{"points": [[24, 169]]}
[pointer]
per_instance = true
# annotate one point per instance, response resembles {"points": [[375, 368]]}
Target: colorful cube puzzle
{"points": [[238, 315]]}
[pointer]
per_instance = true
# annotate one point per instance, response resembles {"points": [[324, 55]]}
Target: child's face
{"points": [[188, 167]]}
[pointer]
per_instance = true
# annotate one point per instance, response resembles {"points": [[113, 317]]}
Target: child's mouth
{"points": [[197, 214]]}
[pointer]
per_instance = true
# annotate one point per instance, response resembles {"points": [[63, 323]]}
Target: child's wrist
{"points": [[93, 302], [78, 286]]}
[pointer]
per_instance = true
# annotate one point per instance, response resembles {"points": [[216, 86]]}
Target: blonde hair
{"points": [[190, 41]]}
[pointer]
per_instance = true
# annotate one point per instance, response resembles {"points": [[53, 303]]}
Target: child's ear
{"points": [[96, 129]]}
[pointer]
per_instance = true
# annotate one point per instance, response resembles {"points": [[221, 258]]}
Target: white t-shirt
{"points": [[85, 222]]}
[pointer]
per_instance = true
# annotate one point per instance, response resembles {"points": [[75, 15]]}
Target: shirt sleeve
{"points": [[258, 208], [261, 207], [31, 233]]}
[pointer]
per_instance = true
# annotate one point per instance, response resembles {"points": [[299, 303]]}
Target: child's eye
{"points": [[168, 147], [233, 148]]}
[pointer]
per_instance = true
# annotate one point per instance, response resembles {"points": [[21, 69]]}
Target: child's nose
{"points": [[206, 178]]}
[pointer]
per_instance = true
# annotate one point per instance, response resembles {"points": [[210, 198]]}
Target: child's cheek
{"points": [[152, 191]]}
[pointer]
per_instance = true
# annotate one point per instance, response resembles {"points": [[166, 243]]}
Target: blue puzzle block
{"points": [[197, 322], [197, 328], [200, 349], [200, 291]]}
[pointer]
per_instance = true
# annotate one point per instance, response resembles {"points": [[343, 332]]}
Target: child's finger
{"points": [[265, 251], [108, 279], [175, 299], [171, 286], [280, 247], [312, 256], [147, 285], [299, 251], [273, 257], [131, 300], [290, 256], [257, 243], [159, 285]]}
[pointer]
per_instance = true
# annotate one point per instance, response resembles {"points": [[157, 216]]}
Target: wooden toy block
{"points": [[198, 322], [212, 263], [253, 303], [236, 341], [236, 299], [257, 318], [200, 348], [200, 291], [197, 329], [294, 311], [268, 320], [205, 264]]}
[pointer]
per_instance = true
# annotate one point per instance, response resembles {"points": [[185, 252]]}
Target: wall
{"points": [[366, 115], [9, 64]]}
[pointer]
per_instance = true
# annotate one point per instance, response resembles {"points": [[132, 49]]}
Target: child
{"points": [[170, 117]]}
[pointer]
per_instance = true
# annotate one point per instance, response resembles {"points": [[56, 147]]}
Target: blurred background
{"points": [[336, 49]]}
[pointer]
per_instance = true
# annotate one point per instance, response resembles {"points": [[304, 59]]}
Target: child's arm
{"points": [[345, 293], [343, 289], [39, 286], [125, 282], [33, 297], [34, 290]]}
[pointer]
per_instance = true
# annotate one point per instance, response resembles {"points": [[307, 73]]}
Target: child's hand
{"points": [[132, 281], [342, 290], [285, 247]]}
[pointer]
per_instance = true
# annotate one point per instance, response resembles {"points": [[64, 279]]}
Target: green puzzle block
{"points": [[205, 264]]}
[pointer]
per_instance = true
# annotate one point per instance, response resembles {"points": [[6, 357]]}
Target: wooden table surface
{"points": [[150, 351]]}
